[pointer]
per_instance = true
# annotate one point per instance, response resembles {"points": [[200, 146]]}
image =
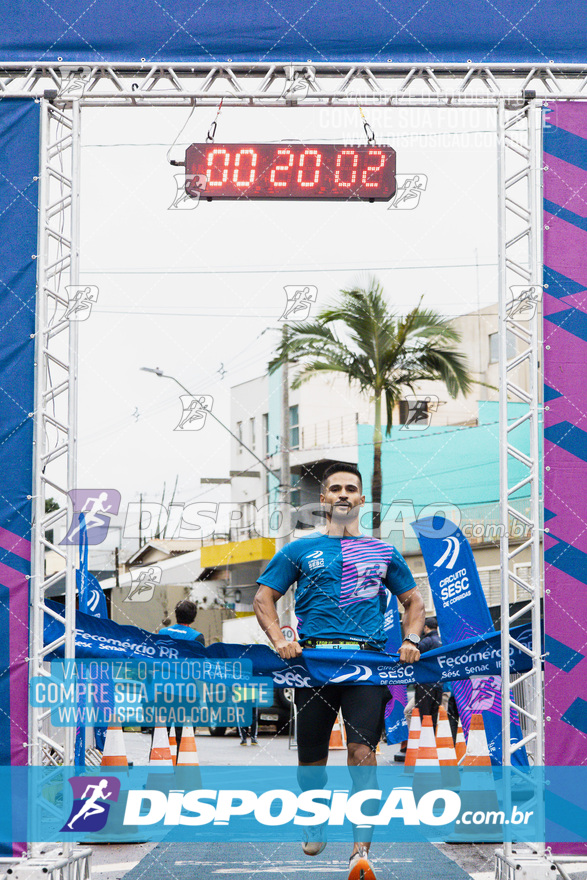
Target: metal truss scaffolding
{"points": [[54, 439], [270, 84], [515, 92], [520, 286]]}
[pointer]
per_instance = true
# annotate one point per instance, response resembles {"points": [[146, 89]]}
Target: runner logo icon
{"points": [[90, 810]]}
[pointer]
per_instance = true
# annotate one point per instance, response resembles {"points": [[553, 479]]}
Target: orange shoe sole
{"points": [[362, 870]]}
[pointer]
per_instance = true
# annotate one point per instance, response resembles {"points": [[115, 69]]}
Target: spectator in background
{"points": [[185, 614], [428, 697], [452, 710]]}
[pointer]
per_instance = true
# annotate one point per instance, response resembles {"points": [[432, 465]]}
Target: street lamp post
{"points": [[286, 612], [163, 375]]}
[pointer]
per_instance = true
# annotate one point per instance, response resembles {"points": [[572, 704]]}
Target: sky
{"points": [[198, 292]]}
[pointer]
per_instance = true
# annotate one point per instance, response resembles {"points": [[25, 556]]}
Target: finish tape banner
{"points": [[96, 638], [462, 613]]}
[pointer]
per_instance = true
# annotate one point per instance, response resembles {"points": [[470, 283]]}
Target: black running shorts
{"points": [[363, 708]]}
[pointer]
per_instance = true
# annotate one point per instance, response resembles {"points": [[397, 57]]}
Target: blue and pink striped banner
{"points": [[565, 433]]}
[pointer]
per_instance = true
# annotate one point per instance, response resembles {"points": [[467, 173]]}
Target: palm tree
{"points": [[385, 354]]}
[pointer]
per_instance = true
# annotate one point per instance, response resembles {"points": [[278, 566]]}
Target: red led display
{"points": [[291, 171]]}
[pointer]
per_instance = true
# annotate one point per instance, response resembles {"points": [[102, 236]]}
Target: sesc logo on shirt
{"points": [[315, 560]]}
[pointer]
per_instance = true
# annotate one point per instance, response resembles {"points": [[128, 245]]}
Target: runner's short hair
{"points": [[431, 623], [185, 612], [341, 467]]}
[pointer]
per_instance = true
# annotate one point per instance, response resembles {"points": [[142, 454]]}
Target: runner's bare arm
{"points": [[266, 612], [412, 622]]}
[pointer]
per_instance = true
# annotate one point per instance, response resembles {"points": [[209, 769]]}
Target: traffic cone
{"points": [[337, 736], [427, 752], [173, 745], [160, 752], [114, 754], [477, 754], [187, 755], [445, 747], [444, 742], [478, 793], [187, 768], [427, 767], [413, 741], [460, 744]]}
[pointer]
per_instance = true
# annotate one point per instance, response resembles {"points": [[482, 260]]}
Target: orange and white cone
{"points": [[413, 740], [173, 746], [114, 754], [160, 752], [337, 736], [444, 742], [446, 751], [478, 793], [460, 743], [427, 752], [187, 755], [477, 754]]}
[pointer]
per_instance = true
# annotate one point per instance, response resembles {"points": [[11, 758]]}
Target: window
{"points": [[239, 434], [252, 432], [511, 347], [294, 494], [294, 428], [265, 418]]}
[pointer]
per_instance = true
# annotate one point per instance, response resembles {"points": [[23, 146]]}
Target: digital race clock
{"points": [[290, 171]]}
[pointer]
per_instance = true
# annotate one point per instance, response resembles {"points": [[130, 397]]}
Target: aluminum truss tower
{"points": [[515, 91]]}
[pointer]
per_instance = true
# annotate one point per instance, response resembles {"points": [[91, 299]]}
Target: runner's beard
{"points": [[342, 515]]}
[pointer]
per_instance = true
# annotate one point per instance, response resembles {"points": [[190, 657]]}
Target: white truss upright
{"points": [[55, 431], [516, 93], [520, 271]]}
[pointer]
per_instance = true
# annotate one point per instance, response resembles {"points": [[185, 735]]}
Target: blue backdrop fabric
{"points": [[293, 30], [19, 162]]}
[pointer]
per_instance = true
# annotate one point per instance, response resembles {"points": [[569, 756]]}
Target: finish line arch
{"points": [[57, 253]]}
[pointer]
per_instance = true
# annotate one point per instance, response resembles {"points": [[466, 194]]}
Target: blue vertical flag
{"points": [[462, 612], [396, 728], [91, 600]]}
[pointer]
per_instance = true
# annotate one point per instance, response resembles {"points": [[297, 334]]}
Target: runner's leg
{"points": [[363, 708], [317, 709]]}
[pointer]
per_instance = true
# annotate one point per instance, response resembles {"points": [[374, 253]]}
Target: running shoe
{"points": [[243, 742], [360, 867], [314, 839], [254, 742]]}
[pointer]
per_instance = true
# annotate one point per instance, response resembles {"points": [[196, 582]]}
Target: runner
{"points": [[90, 807], [342, 577]]}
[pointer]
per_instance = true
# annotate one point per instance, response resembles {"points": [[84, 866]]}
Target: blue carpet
{"points": [[286, 861]]}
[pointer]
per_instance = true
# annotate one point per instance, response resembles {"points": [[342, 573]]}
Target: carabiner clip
{"points": [[369, 133], [211, 133]]}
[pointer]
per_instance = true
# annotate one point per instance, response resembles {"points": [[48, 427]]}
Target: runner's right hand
{"points": [[287, 650]]}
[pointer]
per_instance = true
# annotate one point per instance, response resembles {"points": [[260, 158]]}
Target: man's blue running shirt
{"points": [[342, 585]]}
